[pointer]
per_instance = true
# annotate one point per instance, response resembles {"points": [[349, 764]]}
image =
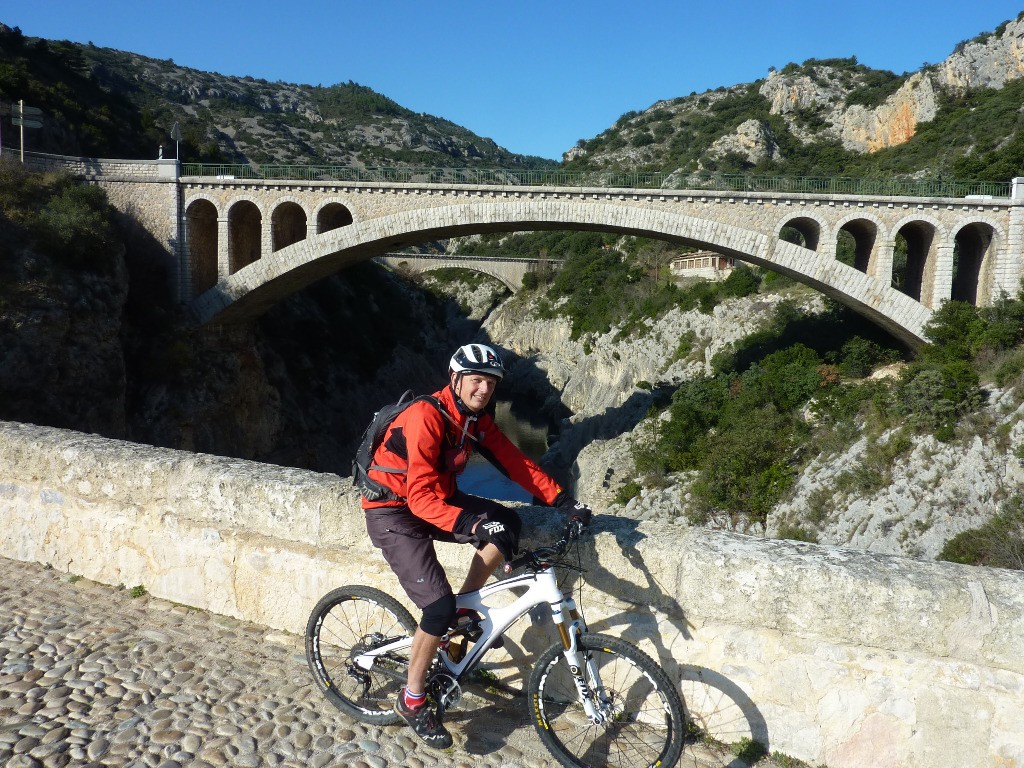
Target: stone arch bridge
{"points": [[241, 244], [249, 243], [508, 271]]}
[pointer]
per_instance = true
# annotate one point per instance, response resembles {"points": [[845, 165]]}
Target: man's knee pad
{"points": [[437, 616]]}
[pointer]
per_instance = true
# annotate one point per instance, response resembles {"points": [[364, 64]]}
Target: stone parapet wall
{"points": [[94, 167], [834, 656]]}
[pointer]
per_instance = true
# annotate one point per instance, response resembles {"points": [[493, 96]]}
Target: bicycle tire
{"points": [[646, 727], [345, 622]]}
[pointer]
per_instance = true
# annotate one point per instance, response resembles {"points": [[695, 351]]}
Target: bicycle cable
{"points": [[575, 552]]}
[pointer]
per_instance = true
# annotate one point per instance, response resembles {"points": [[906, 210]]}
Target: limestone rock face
{"points": [[988, 62], [932, 493], [893, 122], [61, 360], [935, 492], [789, 94], [753, 140], [859, 128], [609, 383], [814, 101]]}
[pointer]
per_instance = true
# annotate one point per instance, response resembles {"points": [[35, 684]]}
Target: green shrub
{"points": [[742, 281], [859, 356], [629, 491], [1010, 368], [796, 533], [998, 543], [748, 750], [745, 471], [775, 281]]}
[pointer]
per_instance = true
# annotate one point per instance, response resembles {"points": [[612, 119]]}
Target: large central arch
{"points": [[255, 288]]}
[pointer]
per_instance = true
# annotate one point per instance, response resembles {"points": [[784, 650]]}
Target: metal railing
{"points": [[838, 185]]}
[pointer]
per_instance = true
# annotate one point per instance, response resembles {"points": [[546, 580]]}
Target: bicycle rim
{"points": [[644, 713], [345, 623]]}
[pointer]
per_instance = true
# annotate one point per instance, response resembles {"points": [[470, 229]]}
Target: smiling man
{"points": [[419, 459]]}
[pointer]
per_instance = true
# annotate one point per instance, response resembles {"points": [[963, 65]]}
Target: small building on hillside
{"points": [[706, 264]]}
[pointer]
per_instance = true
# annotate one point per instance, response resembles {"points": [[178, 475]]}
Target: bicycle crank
{"points": [[445, 689]]}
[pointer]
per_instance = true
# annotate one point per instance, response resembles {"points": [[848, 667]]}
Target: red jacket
{"points": [[419, 439]]}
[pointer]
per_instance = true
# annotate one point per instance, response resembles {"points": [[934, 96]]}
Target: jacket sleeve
{"points": [[519, 467], [427, 485]]}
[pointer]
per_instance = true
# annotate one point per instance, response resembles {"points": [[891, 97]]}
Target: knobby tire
{"points": [[346, 622], [646, 726]]}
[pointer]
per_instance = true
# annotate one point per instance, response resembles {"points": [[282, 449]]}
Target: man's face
{"points": [[475, 389]]}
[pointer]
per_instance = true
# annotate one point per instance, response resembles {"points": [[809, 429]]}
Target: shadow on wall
{"points": [[718, 710]]}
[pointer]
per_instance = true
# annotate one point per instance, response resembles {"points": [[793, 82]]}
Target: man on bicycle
{"points": [[426, 447]]}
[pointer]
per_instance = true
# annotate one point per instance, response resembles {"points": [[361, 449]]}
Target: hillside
{"points": [[109, 103], [824, 117], [833, 117]]}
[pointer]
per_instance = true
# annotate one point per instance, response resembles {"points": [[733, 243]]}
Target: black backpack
{"points": [[372, 437]]}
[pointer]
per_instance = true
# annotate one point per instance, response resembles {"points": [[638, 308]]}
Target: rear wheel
{"points": [[349, 621], [641, 709]]}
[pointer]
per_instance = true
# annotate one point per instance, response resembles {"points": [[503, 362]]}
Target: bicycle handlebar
{"points": [[573, 530]]}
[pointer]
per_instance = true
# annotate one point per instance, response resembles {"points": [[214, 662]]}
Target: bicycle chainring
{"points": [[444, 689]]}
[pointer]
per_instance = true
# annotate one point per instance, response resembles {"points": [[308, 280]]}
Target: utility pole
{"points": [[26, 117]]}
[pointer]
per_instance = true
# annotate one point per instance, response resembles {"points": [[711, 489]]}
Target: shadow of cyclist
{"points": [[645, 612]]}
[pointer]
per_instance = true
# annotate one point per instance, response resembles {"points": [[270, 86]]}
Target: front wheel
{"points": [[641, 710], [349, 621]]}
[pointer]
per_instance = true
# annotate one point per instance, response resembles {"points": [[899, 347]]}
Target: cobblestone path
{"points": [[90, 676]]}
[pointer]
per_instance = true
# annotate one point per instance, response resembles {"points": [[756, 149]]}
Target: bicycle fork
{"points": [[571, 627]]}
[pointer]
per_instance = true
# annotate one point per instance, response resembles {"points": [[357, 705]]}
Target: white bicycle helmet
{"points": [[477, 358]]}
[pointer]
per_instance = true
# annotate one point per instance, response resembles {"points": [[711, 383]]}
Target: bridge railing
{"points": [[712, 182]]}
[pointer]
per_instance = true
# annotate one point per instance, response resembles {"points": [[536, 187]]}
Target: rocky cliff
{"points": [[819, 102], [935, 491], [609, 383]]}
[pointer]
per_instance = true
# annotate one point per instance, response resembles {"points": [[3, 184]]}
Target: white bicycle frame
{"points": [[542, 589]]}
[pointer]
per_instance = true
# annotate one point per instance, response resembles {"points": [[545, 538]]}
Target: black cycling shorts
{"points": [[407, 543]]}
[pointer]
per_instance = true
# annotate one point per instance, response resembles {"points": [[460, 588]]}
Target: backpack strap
{"points": [[387, 493]]}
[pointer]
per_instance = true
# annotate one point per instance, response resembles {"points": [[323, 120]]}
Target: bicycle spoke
{"points": [[640, 727], [345, 624]]}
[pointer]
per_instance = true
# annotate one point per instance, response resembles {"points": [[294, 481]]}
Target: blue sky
{"points": [[534, 75]]}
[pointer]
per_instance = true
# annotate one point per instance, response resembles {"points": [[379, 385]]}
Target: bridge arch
{"points": [[810, 230], [252, 290], [866, 232], [914, 266], [201, 217], [332, 214], [245, 233], [974, 246], [288, 224], [469, 267]]}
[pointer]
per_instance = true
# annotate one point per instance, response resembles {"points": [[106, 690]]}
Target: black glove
{"points": [[500, 535], [575, 509]]}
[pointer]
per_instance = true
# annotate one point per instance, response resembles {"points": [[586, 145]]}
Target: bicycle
{"points": [[593, 699]]}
